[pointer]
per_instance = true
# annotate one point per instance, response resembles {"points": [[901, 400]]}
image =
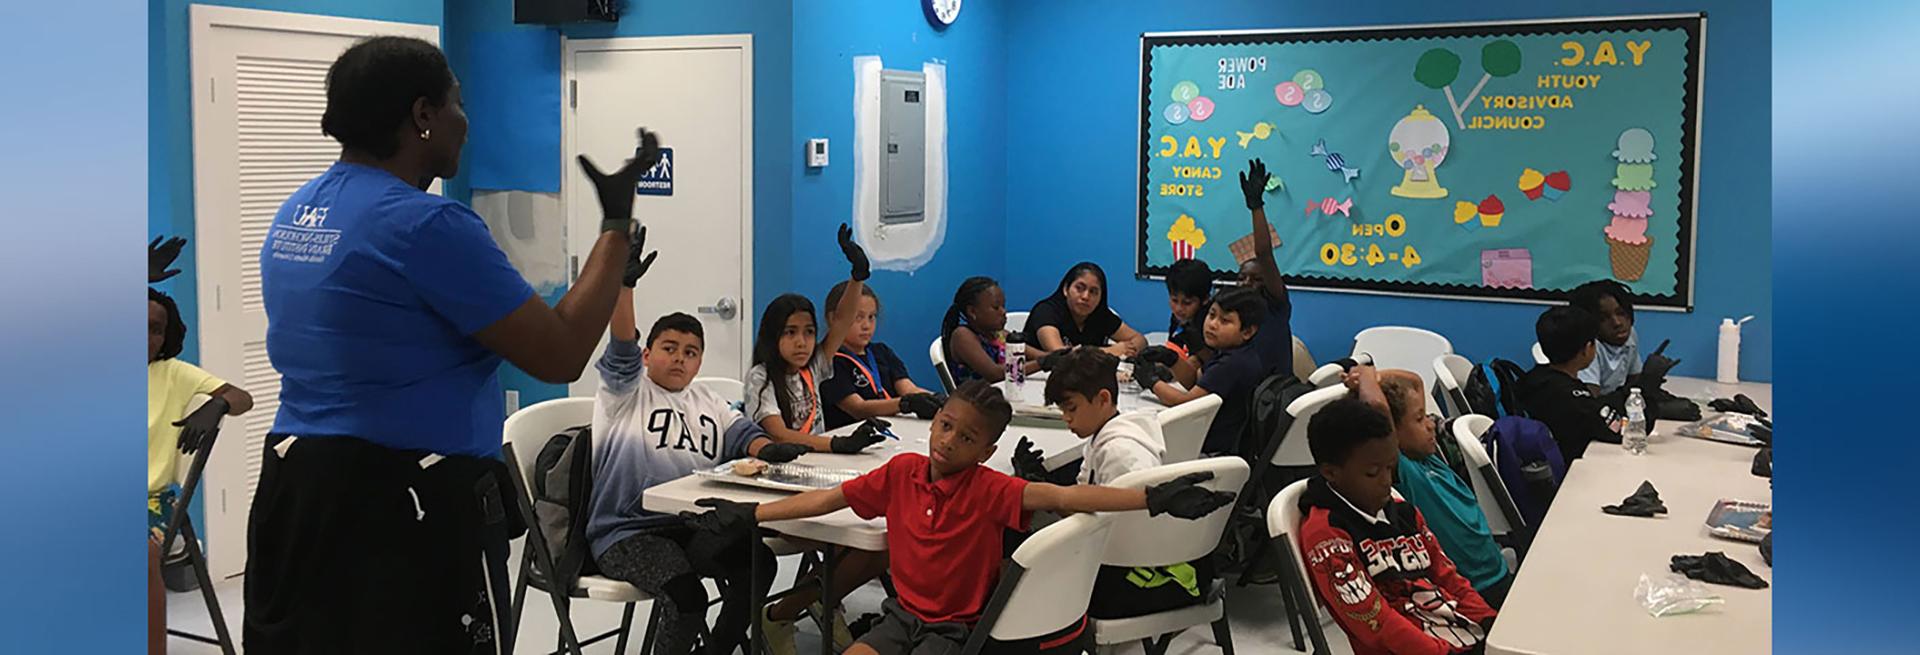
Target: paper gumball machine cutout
{"points": [[1419, 144]]}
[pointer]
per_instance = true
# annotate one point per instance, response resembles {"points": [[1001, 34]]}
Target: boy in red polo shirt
{"points": [[946, 514]]}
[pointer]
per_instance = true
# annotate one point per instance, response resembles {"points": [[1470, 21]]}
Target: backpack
{"points": [[1450, 451], [1491, 390], [562, 486], [1529, 461], [1267, 423]]}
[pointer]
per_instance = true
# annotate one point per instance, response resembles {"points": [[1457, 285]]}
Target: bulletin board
{"points": [[1502, 161]]}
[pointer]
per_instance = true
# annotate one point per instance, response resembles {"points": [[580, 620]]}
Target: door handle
{"points": [[724, 308]]}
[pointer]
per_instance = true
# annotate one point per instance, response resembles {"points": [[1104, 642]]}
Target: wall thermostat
{"points": [[816, 153]]}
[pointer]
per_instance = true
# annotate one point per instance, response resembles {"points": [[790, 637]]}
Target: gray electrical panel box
{"points": [[903, 146]]}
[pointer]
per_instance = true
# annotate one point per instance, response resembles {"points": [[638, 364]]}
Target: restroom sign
{"points": [[657, 181]]}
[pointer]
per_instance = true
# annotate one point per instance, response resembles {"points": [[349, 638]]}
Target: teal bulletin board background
{"points": [[1578, 87]]}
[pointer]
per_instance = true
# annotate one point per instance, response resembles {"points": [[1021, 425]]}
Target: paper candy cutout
{"points": [[1631, 203], [1558, 183], [1530, 183], [1309, 79], [1185, 237], [1317, 100], [1200, 108], [1185, 91], [1261, 131], [1633, 177], [1329, 206], [1508, 268], [1275, 184], [1491, 210], [1289, 94], [1636, 147], [1175, 114], [1627, 229], [1335, 162]]}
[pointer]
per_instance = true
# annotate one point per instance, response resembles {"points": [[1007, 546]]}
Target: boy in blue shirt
{"points": [[1424, 479], [1233, 323]]}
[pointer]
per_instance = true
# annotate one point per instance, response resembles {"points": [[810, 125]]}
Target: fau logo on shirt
{"points": [[309, 216]]}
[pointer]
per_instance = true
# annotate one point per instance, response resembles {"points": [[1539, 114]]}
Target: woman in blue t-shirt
{"points": [[381, 521]]}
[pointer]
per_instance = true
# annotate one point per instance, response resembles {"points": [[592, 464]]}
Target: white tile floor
{"points": [[1255, 611]]}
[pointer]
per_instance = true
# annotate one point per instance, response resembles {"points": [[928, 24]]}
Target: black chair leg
{"points": [[626, 624], [653, 623], [1223, 635], [198, 561], [520, 595]]}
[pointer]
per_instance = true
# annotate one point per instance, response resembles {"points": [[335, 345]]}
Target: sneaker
{"points": [[779, 635], [842, 636]]}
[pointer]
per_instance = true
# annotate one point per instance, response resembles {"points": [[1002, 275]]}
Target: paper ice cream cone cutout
{"points": [[1629, 259]]}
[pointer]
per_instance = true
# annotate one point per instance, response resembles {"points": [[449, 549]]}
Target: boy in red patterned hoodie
{"points": [[1370, 555]]}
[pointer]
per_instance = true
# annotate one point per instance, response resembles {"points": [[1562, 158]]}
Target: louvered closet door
{"points": [[259, 84]]}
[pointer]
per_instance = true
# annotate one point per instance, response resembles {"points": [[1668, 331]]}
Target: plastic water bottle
{"points": [[1634, 437], [1016, 369]]}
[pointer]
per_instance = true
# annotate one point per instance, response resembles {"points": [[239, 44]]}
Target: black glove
{"points": [[1052, 358], [1161, 355], [866, 435], [923, 405], [726, 517], [1028, 462], [1149, 374], [855, 256], [1654, 372], [780, 453], [1644, 502], [160, 256], [1739, 404], [1253, 184], [636, 265], [199, 428], [1715, 567], [616, 190], [1184, 498]]}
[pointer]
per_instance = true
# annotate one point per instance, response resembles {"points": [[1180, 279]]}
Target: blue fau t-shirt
{"points": [[373, 291]]}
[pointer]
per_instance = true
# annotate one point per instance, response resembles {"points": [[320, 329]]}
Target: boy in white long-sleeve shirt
{"points": [[1084, 386]]}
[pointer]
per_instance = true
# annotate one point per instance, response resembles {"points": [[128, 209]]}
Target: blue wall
{"points": [[1077, 64], [827, 36], [170, 119]]}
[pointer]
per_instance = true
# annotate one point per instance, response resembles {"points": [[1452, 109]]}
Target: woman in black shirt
{"points": [[1077, 315]]}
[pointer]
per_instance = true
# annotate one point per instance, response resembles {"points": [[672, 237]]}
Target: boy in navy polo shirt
{"points": [[946, 515], [1233, 324]]}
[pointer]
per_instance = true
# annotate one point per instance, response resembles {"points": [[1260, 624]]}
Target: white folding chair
{"points": [[1330, 373], [527, 431], [1302, 360], [1184, 427], [1410, 348], [1016, 321], [1452, 371], [180, 526], [1140, 540], [1539, 354], [939, 359], [1283, 526], [1293, 451], [1046, 585], [733, 390], [1503, 516]]}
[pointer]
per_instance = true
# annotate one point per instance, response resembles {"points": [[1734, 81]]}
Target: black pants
{"points": [[356, 548], [668, 562]]}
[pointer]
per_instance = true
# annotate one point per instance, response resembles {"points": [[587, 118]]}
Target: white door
{"points": [[259, 88], [697, 93]]}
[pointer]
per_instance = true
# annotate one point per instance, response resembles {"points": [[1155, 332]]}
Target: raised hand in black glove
{"points": [[1184, 498], [1654, 372], [1149, 374], [616, 189], [160, 256], [726, 516], [1161, 355], [780, 453], [636, 264], [1253, 184], [199, 428], [855, 256], [1028, 462], [923, 405], [866, 435]]}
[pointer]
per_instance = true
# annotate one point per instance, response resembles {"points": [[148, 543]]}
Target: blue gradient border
{"points": [[73, 207], [1844, 233]]}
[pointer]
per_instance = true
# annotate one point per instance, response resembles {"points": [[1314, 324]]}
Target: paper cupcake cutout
{"points": [[1558, 183], [1491, 210], [1530, 183]]}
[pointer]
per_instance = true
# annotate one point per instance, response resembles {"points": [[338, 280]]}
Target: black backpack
{"points": [[1491, 391], [562, 486]]}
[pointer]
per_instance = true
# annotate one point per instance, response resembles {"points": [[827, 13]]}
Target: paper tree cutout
{"points": [[1439, 68]]}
